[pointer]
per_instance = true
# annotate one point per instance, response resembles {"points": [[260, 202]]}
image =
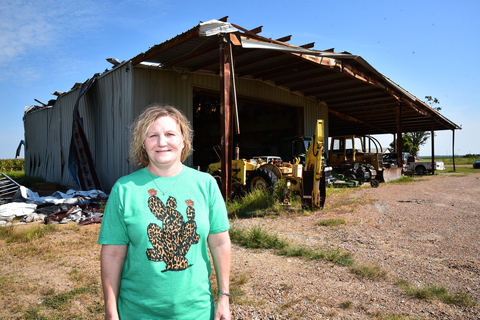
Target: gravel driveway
{"points": [[425, 232]]}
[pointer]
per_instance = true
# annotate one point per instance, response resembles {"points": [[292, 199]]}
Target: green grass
{"points": [[437, 292], [260, 203], [345, 305], [372, 271], [402, 180], [337, 256], [332, 222], [257, 237], [11, 234], [449, 160], [458, 169], [21, 178], [58, 301]]}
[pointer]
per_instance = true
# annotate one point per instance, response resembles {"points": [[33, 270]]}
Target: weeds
{"points": [[18, 235], [346, 305], [59, 301], [436, 292], [76, 275], [237, 280], [402, 180], [264, 202], [345, 199], [381, 316], [331, 222], [369, 271], [258, 238], [335, 255]]}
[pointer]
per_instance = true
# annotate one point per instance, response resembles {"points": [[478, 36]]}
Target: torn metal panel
{"points": [[214, 27], [8, 186], [80, 162]]}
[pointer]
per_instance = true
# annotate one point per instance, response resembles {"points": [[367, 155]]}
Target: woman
{"points": [[156, 228]]}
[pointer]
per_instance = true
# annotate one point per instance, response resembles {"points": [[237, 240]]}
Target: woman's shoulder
{"points": [[203, 178], [133, 177], [197, 174]]}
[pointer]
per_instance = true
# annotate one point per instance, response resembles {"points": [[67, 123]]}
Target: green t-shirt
{"points": [[167, 267]]}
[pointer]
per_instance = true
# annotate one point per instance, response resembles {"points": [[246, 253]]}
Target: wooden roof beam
{"points": [[191, 56], [329, 91], [308, 45], [272, 75], [257, 30], [320, 84], [285, 39], [352, 119], [353, 99], [317, 74]]}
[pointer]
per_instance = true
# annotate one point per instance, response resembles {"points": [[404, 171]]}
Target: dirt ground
{"points": [[425, 232]]}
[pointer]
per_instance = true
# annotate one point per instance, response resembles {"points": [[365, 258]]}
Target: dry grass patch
{"points": [[345, 199], [50, 272]]}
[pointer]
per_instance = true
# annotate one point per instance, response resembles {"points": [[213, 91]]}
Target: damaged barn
{"points": [[235, 86]]}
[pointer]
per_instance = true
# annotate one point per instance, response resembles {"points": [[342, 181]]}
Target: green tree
{"points": [[412, 141]]}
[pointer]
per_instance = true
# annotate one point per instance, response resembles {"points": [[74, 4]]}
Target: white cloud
{"points": [[30, 27], [21, 28]]}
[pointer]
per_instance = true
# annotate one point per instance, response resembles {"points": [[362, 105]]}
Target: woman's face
{"points": [[164, 143]]}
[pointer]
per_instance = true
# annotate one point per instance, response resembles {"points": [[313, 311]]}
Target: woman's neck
{"points": [[165, 172]]}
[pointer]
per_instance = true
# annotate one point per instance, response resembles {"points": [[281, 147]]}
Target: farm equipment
{"points": [[349, 157], [265, 171]]}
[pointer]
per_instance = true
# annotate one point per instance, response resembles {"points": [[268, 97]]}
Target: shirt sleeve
{"points": [[113, 230], [218, 211]]}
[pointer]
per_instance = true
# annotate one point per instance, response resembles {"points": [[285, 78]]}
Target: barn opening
{"points": [[263, 126]]}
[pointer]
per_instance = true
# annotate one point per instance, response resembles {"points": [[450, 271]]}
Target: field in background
{"points": [[449, 161]]}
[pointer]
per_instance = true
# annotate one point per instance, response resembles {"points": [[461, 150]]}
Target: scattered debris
{"points": [[418, 201], [8, 186], [82, 207]]}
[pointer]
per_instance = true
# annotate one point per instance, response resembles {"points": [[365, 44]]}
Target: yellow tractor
{"points": [[265, 171], [350, 157]]}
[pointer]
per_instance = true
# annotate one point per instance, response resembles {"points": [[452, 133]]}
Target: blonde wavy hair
{"points": [[140, 127]]}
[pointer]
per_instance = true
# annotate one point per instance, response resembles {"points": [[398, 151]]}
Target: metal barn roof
{"points": [[360, 99]]}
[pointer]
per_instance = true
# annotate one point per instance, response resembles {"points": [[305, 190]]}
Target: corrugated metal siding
{"points": [[111, 116], [111, 105], [106, 113], [162, 87], [47, 140], [167, 87]]}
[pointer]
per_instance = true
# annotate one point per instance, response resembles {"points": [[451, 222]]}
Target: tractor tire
{"points": [[261, 178], [420, 170], [374, 183], [237, 192]]}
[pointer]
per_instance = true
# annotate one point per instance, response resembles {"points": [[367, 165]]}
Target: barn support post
{"points": [[399, 135], [432, 134], [453, 149], [225, 117]]}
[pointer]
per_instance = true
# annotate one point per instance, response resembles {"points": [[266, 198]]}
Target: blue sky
{"points": [[427, 47]]}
